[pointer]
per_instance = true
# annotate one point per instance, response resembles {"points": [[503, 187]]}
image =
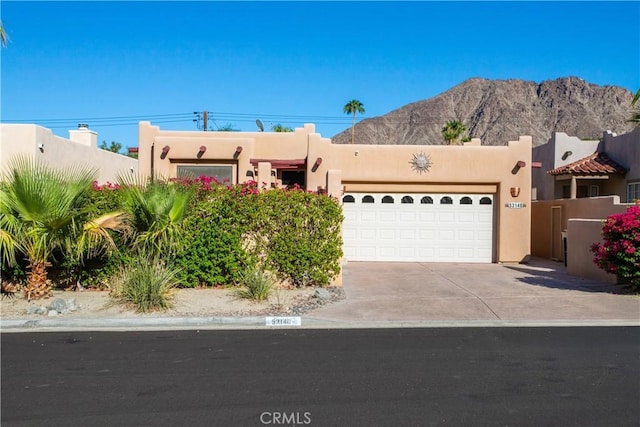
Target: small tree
{"points": [[619, 253], [453, 132], [114, 147], [229, 127], [280, 128]]}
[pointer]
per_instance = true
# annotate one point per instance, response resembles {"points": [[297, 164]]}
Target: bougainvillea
{"points": [[619, 253]]}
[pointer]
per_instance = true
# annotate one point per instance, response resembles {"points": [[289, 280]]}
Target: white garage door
{"points": [[418, 227]]}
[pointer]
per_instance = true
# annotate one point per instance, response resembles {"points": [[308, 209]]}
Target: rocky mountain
{"points": [[498, 111]]}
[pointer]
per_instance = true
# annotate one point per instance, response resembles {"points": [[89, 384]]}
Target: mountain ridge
{"points": [[498, 111]]}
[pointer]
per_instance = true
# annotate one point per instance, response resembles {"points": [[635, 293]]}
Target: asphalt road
{"points": [[584, 376]]}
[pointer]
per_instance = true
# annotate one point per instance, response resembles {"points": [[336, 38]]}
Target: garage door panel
{"points": [[466, 235], [466, 253], [426, 217], [426, 234], [446, 217], [408, 216], [406, 235], [367, 216], [463, 217], [368, 234], [446, 235], [418, 231]]}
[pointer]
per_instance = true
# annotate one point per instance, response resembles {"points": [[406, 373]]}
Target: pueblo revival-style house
{"points": [[426, 203]]}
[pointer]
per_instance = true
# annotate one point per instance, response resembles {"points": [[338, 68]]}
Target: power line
{"points": [[57, 123]]}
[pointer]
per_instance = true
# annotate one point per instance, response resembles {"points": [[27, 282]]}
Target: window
{"points": [[293, 177], [407, 199], [446, 200], [222, 173], [387, 199], [348, 199], [633, 192], [594, 191], [426, 200], [466, 201], [485, 201], [367, 199]]}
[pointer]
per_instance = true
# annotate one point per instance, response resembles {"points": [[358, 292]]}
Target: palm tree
{"points": [[43, 210], [154, 213], [452, 131], [3, 36], [352, 107], [635, 112]]}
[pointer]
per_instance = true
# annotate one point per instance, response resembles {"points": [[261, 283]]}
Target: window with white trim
{"points": [[633, 192]]}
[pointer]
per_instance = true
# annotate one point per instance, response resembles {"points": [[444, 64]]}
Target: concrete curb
{"points": [[259, 322]]}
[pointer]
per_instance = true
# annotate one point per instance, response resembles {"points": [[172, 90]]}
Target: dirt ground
{"points": [[186, 302]]}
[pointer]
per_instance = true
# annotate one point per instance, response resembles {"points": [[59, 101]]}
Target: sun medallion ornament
{"points": [[421, 162]]}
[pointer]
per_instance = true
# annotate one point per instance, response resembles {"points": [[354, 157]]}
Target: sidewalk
{"points": [[417, 295]]}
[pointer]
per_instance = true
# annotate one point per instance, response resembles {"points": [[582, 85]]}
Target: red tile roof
{"points": [[595, 164]]}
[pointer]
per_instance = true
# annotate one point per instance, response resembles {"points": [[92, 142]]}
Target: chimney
{"points": [[85, 136]]}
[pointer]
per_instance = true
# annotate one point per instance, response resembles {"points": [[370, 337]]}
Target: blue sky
{"points": [[111, 64]]}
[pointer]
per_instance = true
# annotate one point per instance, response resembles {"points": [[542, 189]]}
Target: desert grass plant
{"points": [[154, 212], [147, 284], [256, 284], [43, 211]]}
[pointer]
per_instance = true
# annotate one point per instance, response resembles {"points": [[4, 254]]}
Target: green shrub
{"points": [[213, 253], [297, 235], [256, 284], [145, 283]]}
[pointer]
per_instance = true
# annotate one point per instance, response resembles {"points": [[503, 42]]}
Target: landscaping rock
{"points": [[52, 313], [58, 304], [321, 294], [72, 305], [34, 309]]}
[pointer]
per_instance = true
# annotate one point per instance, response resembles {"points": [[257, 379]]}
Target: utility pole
{"points": [[204, 116]]}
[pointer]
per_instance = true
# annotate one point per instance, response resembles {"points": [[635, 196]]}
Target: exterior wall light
{"points": [[201, 151], [165, 151], [518, 166], [41, 147], [316, 164], [237, 152], [515, 191]]}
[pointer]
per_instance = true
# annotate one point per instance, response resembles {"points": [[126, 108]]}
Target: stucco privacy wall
{"points": [[41, 144], [543, 236], [581, 234], [362, 168]]}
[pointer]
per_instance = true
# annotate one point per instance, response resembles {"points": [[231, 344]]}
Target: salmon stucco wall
{"points": [[41, 144], [504, 171], [581, 234], [542, 236]]}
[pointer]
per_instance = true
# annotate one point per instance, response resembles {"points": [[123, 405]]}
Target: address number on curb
{"points": [[283, 321]]}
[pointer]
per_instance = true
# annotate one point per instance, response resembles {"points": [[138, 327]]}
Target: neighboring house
{"points": [[579, 184], [80, 149], [401, 202], [572, 168]]}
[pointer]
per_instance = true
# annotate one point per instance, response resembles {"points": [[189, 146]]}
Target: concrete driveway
{"points": [[536, 292]]}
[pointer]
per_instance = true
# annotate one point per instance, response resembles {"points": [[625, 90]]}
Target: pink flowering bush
{"points": [[620, 251]]}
